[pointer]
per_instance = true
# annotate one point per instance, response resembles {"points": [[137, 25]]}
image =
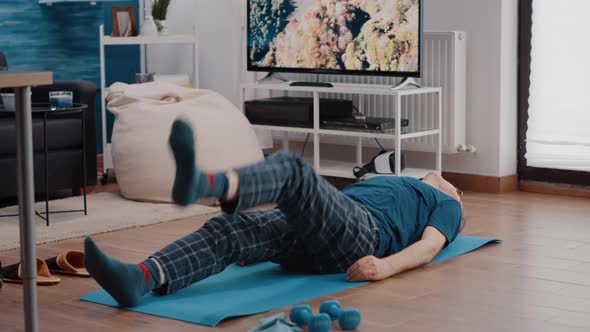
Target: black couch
{"points": [[64, 140]]}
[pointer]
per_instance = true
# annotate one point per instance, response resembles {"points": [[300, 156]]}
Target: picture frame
{"points": [[124, 24]]}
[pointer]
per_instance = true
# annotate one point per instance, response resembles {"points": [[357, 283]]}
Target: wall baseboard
{"points": [[554, 189], [482, 183], [475, 183], [465, 182]]}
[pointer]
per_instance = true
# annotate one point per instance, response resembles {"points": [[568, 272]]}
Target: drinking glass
{"points": [[60, 99]]}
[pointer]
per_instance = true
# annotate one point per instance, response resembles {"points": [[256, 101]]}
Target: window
{"points": [[554, 119]]}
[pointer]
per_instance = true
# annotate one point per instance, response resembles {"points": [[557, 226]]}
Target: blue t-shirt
{"points": [[402, 208]]}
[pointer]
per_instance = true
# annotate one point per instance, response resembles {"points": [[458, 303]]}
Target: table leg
{"points": [[25, 187], [46, 169], [84, 159], [440, 138], [398, 133]]}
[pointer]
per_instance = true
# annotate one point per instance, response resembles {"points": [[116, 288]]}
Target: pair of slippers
{"points": [[69, 263]]}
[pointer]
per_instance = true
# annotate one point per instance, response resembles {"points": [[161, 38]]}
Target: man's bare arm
{"points": [[418, 254]]}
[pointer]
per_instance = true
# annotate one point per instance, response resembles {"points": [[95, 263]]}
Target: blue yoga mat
{"points": [[241, 291]]}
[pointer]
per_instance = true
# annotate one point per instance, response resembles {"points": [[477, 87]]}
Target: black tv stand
{"points": [[313, 84]]}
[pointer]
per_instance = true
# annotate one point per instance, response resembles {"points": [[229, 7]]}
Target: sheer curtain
{"points": [[558, 134]]}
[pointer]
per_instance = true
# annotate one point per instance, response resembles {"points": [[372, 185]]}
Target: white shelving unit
{"points": [[344, 169], [143, 41]]}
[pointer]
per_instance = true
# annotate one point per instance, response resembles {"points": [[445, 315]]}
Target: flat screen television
{"points": [[363, 37]]}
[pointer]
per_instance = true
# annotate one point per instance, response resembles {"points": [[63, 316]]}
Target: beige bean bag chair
{"points": [[143, 162]]}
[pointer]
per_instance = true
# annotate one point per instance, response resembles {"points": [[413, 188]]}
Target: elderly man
{"points": [[371, 230]]}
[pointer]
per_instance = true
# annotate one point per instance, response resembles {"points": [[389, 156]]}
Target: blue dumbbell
{"points": [[301, 314], [320, 323], [332, 308], [348, 319]]}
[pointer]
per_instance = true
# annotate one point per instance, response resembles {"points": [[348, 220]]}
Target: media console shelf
{"points": [[344, 169]]}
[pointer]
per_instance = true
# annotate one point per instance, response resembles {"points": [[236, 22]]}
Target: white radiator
{"points": [[444, 65]]}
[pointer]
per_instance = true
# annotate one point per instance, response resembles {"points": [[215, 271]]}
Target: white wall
{"points": [[491, 80], [218, 25], [491, 27], [509, 89]]}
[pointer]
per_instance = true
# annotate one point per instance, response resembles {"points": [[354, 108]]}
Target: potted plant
{"points": [[159, 12], [7, 99]]}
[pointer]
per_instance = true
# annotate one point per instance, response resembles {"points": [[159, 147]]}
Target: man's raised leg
{"points": [[333, 224], [190, 182]]}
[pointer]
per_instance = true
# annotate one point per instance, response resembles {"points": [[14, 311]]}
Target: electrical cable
{"points": [[376, 140], [381, 146], [304, 144]]}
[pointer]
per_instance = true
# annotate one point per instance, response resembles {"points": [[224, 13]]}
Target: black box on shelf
{"points": [[295, 111]]}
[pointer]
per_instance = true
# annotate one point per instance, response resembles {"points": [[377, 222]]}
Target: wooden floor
{"points": [[538, 279]]}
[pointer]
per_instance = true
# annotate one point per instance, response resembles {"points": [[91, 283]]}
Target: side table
{"points": [[45, 111]]}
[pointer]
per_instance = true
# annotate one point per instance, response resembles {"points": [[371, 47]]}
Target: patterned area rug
{"points": [[107, 212]]}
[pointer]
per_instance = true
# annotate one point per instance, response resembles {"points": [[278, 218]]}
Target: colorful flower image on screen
{"points": [[340, 35]]}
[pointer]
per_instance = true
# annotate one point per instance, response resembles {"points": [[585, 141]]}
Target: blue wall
{"points": [[63, 38], [122, 62]]}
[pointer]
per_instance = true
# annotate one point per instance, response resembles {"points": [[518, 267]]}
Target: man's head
{"points": [[437, 181]]}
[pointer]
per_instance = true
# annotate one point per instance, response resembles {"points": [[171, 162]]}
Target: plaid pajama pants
{"points": [[315, 228]]}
